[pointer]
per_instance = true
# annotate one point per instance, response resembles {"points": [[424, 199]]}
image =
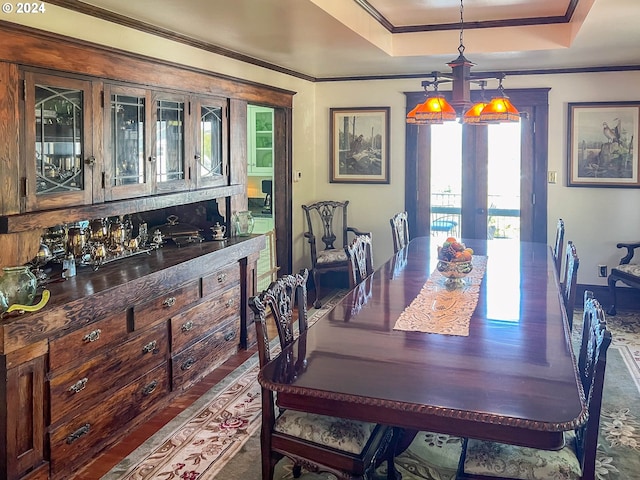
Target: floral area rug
{"points": [[221, 439]]}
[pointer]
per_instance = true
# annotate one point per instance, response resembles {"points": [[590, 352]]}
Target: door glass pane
{"points": [[503, 220], [59, 115], [446, 179], [264, 139], [210, 141], [127, 139], [170, 141]]}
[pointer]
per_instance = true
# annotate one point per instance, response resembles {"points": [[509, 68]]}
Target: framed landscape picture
{"points": [[359, 145], [603, 144]]}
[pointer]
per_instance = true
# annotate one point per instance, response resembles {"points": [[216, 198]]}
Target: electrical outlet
{"points": [[602, 270]]}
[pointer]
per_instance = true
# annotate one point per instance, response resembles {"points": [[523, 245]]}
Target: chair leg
{"points": [[297, 470], [611, 281], [316, 283], [269, 458]]}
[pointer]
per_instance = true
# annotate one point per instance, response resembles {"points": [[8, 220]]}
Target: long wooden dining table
{"points": [[513, 379]]}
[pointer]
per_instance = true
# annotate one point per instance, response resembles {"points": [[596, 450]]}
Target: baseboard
{"points": [[628, 298]]}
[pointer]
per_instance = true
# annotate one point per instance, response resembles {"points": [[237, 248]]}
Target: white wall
{"points": [[595, 218]]}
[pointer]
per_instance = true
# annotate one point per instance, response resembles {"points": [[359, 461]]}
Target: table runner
{"points": [[438, 309]]}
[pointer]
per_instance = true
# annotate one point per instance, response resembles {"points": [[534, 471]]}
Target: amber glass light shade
{"points": [[500, 109], [411, 117], [435, 110], [473, 114]]}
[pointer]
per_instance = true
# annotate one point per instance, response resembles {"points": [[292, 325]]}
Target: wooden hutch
{"points": [[114, 345]]}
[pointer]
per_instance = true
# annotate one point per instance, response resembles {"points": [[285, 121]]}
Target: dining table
{"points": [[510, 377]]}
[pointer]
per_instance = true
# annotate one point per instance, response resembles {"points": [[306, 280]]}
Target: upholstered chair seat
{"points": [[331, 256], [338, 433], [501, 460]]}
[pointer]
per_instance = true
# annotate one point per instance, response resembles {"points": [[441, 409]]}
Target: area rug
{"points": [[218, 437]]}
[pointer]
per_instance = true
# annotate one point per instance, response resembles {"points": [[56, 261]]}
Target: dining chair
{"points": [[399, 231], [360, 255], [346, 448], [558, 246], [328, 236], [570, 283], [577, 459]]}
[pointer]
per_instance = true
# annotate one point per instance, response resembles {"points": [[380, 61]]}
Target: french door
{"points": [[480, 181]]}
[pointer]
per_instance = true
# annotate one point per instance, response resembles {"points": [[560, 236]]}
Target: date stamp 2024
{"points": [[23, 7]]}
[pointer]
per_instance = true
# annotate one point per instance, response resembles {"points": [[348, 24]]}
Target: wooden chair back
{"points": [[570, 283], [360, 259], [399, 231], [328, 236], [558, 247], [278, 301], [592, 361]]}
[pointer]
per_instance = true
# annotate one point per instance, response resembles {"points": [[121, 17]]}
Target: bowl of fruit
{"points": [[454, 259]]}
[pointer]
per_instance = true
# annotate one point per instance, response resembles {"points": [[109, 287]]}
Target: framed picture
{"points": [[603, 144], [359, 145]]}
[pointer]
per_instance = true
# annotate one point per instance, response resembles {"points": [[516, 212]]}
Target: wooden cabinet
{"points": [[260, 140], [57, 131], [115, 345], [211, 148]]}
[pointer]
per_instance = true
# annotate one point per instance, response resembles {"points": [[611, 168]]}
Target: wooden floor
{"points": [[104, 462]]}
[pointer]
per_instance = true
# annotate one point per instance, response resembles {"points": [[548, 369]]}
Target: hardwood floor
{"points": [[110, 457]]}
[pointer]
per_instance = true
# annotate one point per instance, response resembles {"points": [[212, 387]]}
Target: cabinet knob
{"points": [[149, 389], [150, 347], [229, 303], [187, 326], [169, 302], [197, 156], [90, 160], [230, 336], [92, 336], [79, 385], [222, 277], [78, 433], [152, 158], [188, 364]]}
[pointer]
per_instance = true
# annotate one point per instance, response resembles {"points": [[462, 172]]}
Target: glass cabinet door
{"points": [[126, 144], [59, 160], [260, 133], [170, 165], [211, 148]]}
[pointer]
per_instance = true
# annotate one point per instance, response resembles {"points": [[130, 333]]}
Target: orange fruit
{"points": [[451, 239]]}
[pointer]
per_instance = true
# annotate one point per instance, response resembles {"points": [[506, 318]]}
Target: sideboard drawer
{"points": [[223, 279], [89, 340], [72, 442], [201, 358], [91, 383], [192, 324], [164, 306]]}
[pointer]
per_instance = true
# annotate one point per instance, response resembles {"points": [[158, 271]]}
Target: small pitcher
{"points": [[218, 231]]}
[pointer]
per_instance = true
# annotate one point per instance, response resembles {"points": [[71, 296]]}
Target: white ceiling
{"points": [[339, 38]]}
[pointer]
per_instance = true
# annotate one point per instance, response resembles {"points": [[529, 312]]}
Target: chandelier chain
{"points": [[461, 47]]}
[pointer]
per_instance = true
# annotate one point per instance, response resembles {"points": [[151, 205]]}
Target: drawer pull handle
{"points": [[222, 277], [229, 303], [93, 336], [230, 336], [187, 326], [188, 364], [150, 347], [149, 389], [78, 433], [169, 302], [79, 385]]}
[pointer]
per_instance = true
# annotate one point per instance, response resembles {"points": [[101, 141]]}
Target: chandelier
{"points": [[435, 109]]}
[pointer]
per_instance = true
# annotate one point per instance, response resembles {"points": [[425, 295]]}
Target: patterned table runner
{"points": [[437, 309]]}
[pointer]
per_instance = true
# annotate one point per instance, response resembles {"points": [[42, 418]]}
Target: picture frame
{"points": [[359, 145], [602, 144]]}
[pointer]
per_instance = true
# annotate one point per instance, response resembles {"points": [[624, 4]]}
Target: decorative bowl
{"points": [[454, 270]]}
